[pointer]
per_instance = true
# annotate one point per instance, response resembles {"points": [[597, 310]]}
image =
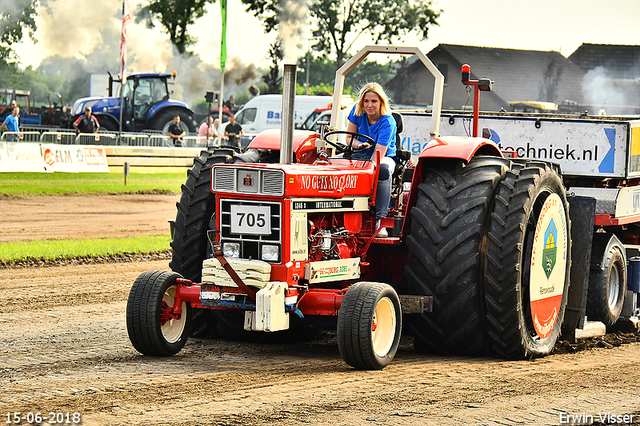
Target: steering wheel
{"points": [[348, 149]]}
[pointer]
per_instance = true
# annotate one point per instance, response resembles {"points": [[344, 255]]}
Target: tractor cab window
{"points": [[127, 89], [158, 90], [142, 99], [126, 92], [247, 116]]}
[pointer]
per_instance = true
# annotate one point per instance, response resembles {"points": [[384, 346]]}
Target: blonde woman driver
{"points": [[371, 116]]}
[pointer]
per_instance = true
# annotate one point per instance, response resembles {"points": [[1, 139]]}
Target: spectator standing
{"points": [[216, 130], [175, 132], [86, 123], [233, 131], [207, 132], [231, 105], [10, 124]]}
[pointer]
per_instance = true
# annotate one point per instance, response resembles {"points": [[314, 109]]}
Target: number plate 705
{"points": [[246, 219]]}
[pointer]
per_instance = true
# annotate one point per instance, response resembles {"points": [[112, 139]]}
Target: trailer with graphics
{"points": [[487, 252]]}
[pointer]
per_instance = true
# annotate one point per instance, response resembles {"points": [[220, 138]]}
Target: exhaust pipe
{"points": [[288, 99]]}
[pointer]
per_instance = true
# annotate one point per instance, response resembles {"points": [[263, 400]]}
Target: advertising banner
{"points": [[59, 158], [5, 163], [91, 158], [25, 157]]}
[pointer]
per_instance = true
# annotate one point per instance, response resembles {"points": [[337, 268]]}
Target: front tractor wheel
{"points": [[151, 329], [369, 325], [528, 262]]}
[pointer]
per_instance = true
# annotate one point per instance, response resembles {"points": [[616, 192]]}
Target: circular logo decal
{"points": [[548, 266], [49, 158]]}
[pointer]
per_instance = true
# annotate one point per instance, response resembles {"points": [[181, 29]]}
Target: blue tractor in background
{"points": [[146, 101]]}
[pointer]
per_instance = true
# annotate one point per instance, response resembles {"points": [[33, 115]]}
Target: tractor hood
{"points": [[337, 179], [111, 105], [97, 105]]}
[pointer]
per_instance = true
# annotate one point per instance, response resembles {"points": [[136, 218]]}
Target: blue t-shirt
{"points": [[383, 131], [12, 123]]}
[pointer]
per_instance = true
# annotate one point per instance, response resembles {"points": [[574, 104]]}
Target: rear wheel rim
{"points": [[172, 329], [614, 286], [383, 327]]}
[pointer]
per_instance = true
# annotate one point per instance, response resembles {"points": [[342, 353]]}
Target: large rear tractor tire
{"points": [[369, 325], [608, 285], [445, 253], [528, 262], [151, 330], [195, 216]]}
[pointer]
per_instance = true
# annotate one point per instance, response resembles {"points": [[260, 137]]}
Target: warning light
{"points": [[466, 73]]}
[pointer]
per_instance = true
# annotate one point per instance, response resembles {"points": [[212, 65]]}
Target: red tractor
{"points": [[282, 247]]}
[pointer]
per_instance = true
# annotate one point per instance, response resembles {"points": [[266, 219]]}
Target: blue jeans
{"points": [[383, 194]]}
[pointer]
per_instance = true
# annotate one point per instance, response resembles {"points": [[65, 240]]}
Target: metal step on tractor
{"points": [[484, 254]]}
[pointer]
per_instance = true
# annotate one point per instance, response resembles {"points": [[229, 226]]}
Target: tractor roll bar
{"points": [[390, 50]]}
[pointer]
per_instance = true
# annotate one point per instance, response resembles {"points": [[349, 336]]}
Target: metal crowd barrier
{"points": [[20, 137], [68, 137], [96, 139], [63, 138]]}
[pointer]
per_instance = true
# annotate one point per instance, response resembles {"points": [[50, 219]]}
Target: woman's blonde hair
{"points": [[378, 90]]}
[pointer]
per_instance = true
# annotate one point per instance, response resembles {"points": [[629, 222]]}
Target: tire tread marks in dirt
{"points": [[445, 259], [510, 235]]}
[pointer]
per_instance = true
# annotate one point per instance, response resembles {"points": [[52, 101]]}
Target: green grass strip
{"points": [[65, 249], [89, 183]]}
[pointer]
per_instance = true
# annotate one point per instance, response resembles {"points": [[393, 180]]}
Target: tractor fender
{"points": [[459, 147], [107, 122], [602, 242], [155, 109], [450, 147]]}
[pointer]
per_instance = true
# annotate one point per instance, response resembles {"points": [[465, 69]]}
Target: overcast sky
{"points": [[72, 29]]}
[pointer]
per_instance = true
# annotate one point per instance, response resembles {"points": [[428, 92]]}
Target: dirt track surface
{"points": [[65, 349], [79, 216]]}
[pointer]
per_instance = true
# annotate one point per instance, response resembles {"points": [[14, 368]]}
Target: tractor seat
{"points": [[402, 155]]}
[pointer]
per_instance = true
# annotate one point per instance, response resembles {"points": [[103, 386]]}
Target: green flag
{"points": [[223, 41]]}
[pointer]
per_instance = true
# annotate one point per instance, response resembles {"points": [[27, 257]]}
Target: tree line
{"points": [[335, 25]]}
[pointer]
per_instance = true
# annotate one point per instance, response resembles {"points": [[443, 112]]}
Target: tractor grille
{"points": [[248, 181], [251, 244]]}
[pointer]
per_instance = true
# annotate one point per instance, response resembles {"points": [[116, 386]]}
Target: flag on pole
{"points": [[126, 19], [223, 42]]}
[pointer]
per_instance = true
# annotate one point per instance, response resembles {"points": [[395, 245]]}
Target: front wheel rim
{"points": [[383, 327], [172, 329]]}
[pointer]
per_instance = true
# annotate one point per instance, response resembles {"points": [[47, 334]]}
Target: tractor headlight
{"points": [[270, 253], [231, 249]]}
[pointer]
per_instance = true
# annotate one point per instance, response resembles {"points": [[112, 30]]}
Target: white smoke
{"points": [[293, 17], [90, 32], [600, 92]]}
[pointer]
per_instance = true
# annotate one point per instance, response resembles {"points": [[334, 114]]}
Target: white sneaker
{"points": [[383, 233]]}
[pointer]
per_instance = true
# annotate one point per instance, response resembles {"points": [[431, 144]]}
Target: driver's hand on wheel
{"points": [[364, 145]]}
